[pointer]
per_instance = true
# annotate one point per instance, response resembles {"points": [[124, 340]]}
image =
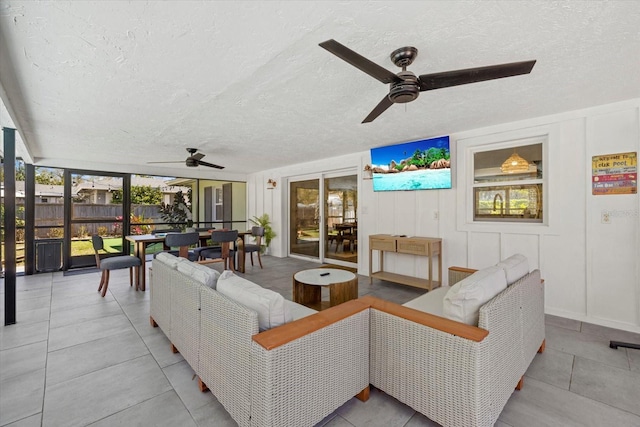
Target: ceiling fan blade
{"points": [[473, 75], [360, 62], [380, 108], [211, 165], [197, 156], [178, 161]]}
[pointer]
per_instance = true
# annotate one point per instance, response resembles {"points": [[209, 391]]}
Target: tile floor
{"points": [[76, 359]]}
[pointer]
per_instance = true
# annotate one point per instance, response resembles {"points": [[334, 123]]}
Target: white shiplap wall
{"points": [[591, 269]]}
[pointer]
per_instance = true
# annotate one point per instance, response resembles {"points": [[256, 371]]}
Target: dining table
{"points": [[346, 232], [141, 241]]}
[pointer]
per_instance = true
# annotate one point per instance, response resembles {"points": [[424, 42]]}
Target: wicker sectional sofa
{"points": [[290, 375], [454, 373], [297, 373]]}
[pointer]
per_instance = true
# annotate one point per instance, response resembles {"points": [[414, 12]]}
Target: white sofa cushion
{"points": [[515, 267], [431, 302], [169, 259], [464, 299], [270, 306], [204, 275], [298, 311]]}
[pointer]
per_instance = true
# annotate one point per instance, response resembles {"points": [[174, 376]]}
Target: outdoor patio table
{"points": [[141, 241]]}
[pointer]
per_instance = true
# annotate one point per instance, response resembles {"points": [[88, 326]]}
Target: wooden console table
{"points": [[419, 246]]}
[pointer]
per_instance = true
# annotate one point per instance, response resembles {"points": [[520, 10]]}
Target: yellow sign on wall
{"points": [[615, 174]]}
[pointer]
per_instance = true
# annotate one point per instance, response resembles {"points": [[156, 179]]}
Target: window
{"points": [[508, 183], [218, 205]]}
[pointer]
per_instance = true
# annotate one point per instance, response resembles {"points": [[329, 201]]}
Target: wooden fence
{"points": [[49, 219]]}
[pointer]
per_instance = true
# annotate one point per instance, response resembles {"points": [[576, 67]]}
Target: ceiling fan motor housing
{"points": [[405, 91], [192, 163]]}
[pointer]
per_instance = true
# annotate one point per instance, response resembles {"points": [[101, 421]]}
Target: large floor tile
{"points": [[562, 322], [610, 333], [335, 421], [160, 347], [584, 345], [32, 421], [21, 334], [66, 302], [37, 281], [22, 360], [185, 383], [552, 367], [163, 410], [419, 420], [21, 396], [33, 316], [25, 292], [33, 303], [75, 288], [634, 359], [92, 397], [213, 414], [81, 359], [540, 404], [617, 387], [78, 333], [380, 410], [82, 314]]}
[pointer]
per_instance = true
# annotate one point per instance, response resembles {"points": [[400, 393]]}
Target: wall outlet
{"points": [[605, 217], [435, 215]]}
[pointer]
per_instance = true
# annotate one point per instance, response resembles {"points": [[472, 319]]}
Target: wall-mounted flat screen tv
{"points": [[416, 165]]}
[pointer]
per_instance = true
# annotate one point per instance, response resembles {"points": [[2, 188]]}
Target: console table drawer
{"points": [[413, 246], [388, 245]]}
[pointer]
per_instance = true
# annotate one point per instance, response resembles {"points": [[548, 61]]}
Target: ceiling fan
{"points": [[194, 160], [405, 86]]}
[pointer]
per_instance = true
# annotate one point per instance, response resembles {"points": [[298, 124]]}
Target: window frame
{"points": [[507, 185], [466, 149]]}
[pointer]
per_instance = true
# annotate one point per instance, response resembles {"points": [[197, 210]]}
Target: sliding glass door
{"points": [[304, 218], [341, 225], [323, 220], [94, 208]]}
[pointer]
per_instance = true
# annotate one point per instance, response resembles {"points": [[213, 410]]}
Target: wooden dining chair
{"points": [[257, 233], [182, 241], [113, 263], [224, 253]]}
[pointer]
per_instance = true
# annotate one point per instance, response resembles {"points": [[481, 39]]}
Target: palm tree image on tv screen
{"points": [[416, 165]]}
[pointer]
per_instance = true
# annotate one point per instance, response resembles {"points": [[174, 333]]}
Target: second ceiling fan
{"points": [[406, 86], [194, 160]]}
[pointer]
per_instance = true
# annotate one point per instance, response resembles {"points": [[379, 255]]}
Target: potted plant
{"points": [[269, 234]]}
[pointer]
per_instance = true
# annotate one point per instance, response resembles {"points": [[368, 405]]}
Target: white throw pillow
{"points": [[515, 267], [464, 299], [270, 306], [168, 259], [204, 275]]}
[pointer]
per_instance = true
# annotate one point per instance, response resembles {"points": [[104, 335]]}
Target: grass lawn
{"points": [[85, 247], [111, 246]]}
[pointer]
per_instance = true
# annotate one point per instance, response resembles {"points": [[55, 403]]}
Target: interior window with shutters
{"points": [[508, 184]]}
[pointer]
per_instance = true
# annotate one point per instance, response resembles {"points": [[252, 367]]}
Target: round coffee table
{"points": [[308, 284]]}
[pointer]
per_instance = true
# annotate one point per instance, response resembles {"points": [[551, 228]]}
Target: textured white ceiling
{"points": [[110, 85]]}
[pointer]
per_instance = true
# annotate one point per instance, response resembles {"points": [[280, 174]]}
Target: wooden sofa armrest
{"points": [[276, 337], [449, 326], [456, 274]]}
